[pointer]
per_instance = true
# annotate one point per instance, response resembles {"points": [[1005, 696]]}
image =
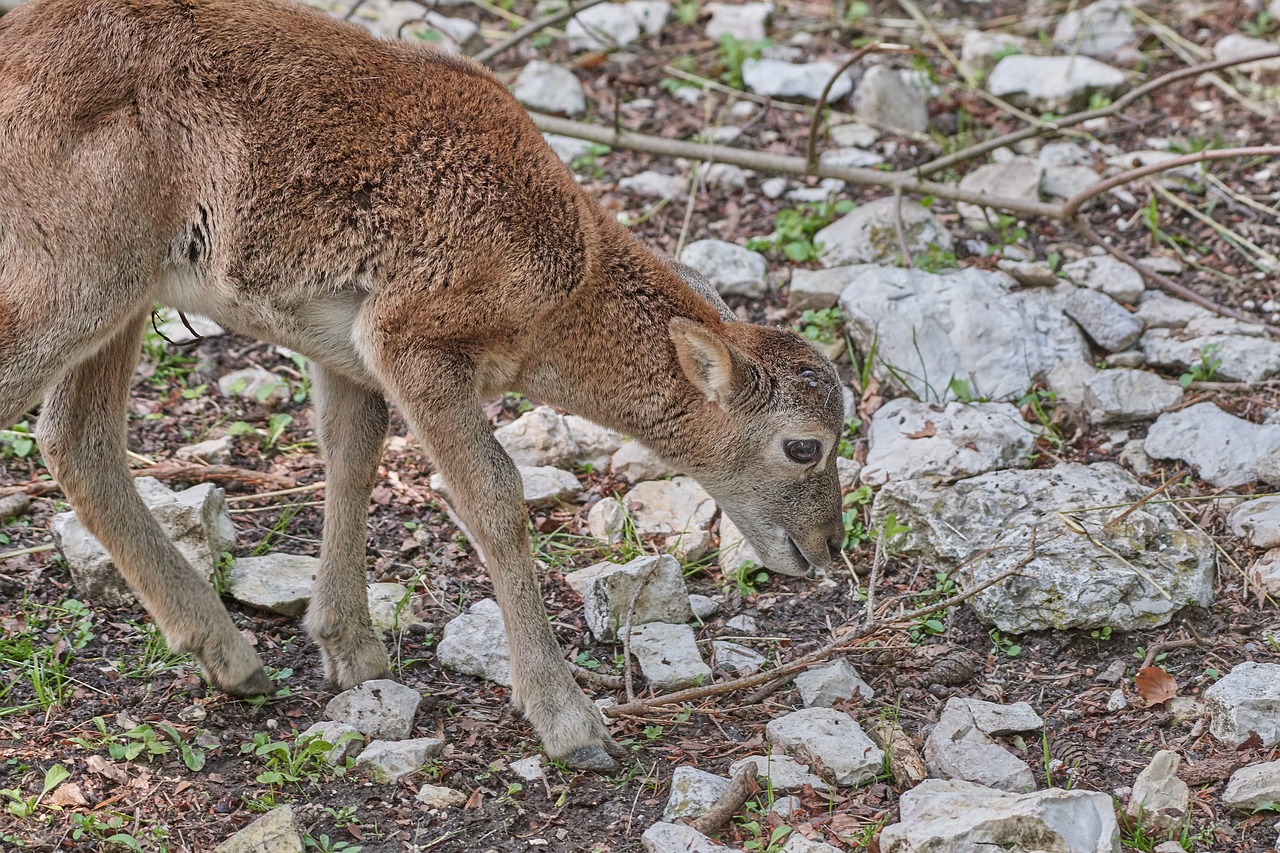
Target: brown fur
{"points": [[392, 214]]}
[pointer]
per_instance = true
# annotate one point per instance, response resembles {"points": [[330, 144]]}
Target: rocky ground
{"points": [[1031, 423]]}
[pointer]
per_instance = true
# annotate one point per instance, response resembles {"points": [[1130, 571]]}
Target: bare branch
{"points": [[533, 28], [741, 788], [810, 149]]}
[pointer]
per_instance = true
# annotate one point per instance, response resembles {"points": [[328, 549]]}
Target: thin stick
{"points": [[741, 788], [533, 28], [1157, 649], [810, 149], [590, 678], [626, 630], [310, 487], [22, 552]]}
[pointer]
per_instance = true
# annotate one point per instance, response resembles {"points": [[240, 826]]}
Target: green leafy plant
{"points": [[1004, 645], [1205, 369], [823, 326], [794, 228], [733, 52], [17, 441], [748, 578], [21, 805]]}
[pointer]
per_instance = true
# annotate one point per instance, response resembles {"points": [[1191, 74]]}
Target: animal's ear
{"points": [[715, 367]]}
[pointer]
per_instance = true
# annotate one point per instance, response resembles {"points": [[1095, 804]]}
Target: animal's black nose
{"points": [[835, 543]]}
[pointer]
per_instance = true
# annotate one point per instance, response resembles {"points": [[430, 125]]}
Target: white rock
{"points": [[742, 624], [381, 708], [1237, 46], [668, 656], [869, 233], [952, 815], [569, 149], [1030, 273], [475, 643], [744, 22], [438, 797], [736, 552], [797, 843], [846, 469], [736, 658], [388, 761], [195, 519], [529, 769], [215, 451], [1074, 581], [778, 79], [1246, 700], [782, 772], [550, 88], [818, 289], [678, 838], [824, 686], [884, 98], [608, 589], [1056, 83], [980, 50], [277, 582], [1237, 350], [731, 269], [594, 445], [607, 520], [1063, 182], [831, 740], [703, 607], [960, 748], [941, 443], [1117, 701], [670, 507], [651, 184], [173, 329], [276, 831], [725, 175], [634, 462], [785, 807], [612, 25], [773, 187], [546, 486], [854, 134], [1016, 178], [969, 325], [391, 607], [345, 741], [1106, 323], [693, 793], [1123, 395], [1102, 29], [1253, 786], [1226, 450], [1265, 572], [538, 437], [1160, 799], [255, 384], [1104, 273]]}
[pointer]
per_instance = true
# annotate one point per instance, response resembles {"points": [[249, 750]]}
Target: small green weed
{"points": [[1205, 369], [794, 228], [22, 805], [824, 326], [17, 442], [1004, 645], [733, 52]]}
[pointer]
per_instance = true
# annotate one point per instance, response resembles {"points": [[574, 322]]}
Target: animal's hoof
{"points": [[257, 684], [591, 758]]}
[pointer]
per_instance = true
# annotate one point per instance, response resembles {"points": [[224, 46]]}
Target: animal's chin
{"points": [[786, 558]]}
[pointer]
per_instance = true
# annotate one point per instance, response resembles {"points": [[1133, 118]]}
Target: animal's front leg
{"points": [[351, 423], [435, 392]]}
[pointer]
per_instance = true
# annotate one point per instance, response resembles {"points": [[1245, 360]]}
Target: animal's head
{"points": [[775, 408]]}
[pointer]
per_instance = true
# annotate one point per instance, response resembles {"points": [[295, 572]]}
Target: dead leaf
{"points": [[475, 801], [926, 431], [100, 765], [1155, 686], [67, 794]]}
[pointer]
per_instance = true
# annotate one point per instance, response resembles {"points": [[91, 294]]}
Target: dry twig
{"points": [[741, 788], [533, 28]]}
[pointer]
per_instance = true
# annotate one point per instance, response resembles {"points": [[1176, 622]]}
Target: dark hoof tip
{"points": [[257, 684], [590, 758]]}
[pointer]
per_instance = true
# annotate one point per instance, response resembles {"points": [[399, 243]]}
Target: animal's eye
{"points": [[803, 451]]}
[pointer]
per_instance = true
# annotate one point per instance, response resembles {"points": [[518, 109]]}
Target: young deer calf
{"points": [[391, 213]]}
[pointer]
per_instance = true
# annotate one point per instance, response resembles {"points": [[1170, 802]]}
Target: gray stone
{"points": [[1102, 29], [1016, 178], [1131, 359], [731, 269], [959, 748], [1237, 46], [276, 831], [837, 682], [651, 184], [277, 582], [957, 816], [778, 79], [785, 807], [345, 741], [869, 233], [678, 838], [1117, 701], [693, 793], [608, 589], [594, 445], [884, 98], [736, 552], [1067, 380], [744, 22], [849, 158], [969, 325], [475, 643], [1055, 83], [1134, 455], [391, 607], [818, 289], [175, 331], [1105, 322], [846, 469], [1160, 799], [980, 50], [773, 187], [1227, 451], [996, 720], [1257, 522], [797, 843], [854, 134], [668, 656], [1245, 701], [1253, 787], [529, 769], [1063, 182], [703, 607], [941, 443], [1119, 395], [607, 520], [215, 451], [1029, 273], [381, 708], [255, 385], [541, 437], [196, 519], [438, 797], [635, 463], [1238, 351], [670, 507], [742, 624], [736, 658], [830, 740], [11, 506], [725, 175], [1106, 274], [782, 772], [546, 486], [613, 25], [1108, 578], [388, 761], [569, 149], [1265, 573], [550, 88]]}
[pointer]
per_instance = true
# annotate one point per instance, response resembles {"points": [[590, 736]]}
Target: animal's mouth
{"points": [[799, 565]]}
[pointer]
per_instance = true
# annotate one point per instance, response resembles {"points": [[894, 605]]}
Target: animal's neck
{"points": [[609, 355]]}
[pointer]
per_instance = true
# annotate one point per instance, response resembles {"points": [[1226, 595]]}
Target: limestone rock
{"points": [[651, 184], [1159, 797], [693, 793], [960, 748], [1227, 451], [869, 233], [1253, 786], [277, 582], [1073, 582], [613, 25], [781, 771], [608, 589], [745, 21], [391, 607], [778, 79], [824, 686], [607, 520], [1106, 274], [381, 708], [1237, 46], [939, 443], [884, 98], [438, 797], [668, 656], [980, 50], [546, 485], [831, 740], [1119, 395], [736, 658], [541, 437], [736, 552], [670, 507], [1237, 351], [388, 761], [1056, 83], [254, 384], [1102, 30], [678, 838], [1016, 178], [1265, 572], [549, 88], [636, 463], [731, 269], [475, 643], [1257, 522], [345, 741], [215, 451], [276, 831], [818, 289], [1246, 700], [1103, 320]]}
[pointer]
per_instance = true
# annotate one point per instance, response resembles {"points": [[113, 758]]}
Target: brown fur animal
{"points": [[391, 213]]}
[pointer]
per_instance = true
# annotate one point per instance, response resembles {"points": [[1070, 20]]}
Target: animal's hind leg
{"points": [[352, 424], [82, 434]]}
